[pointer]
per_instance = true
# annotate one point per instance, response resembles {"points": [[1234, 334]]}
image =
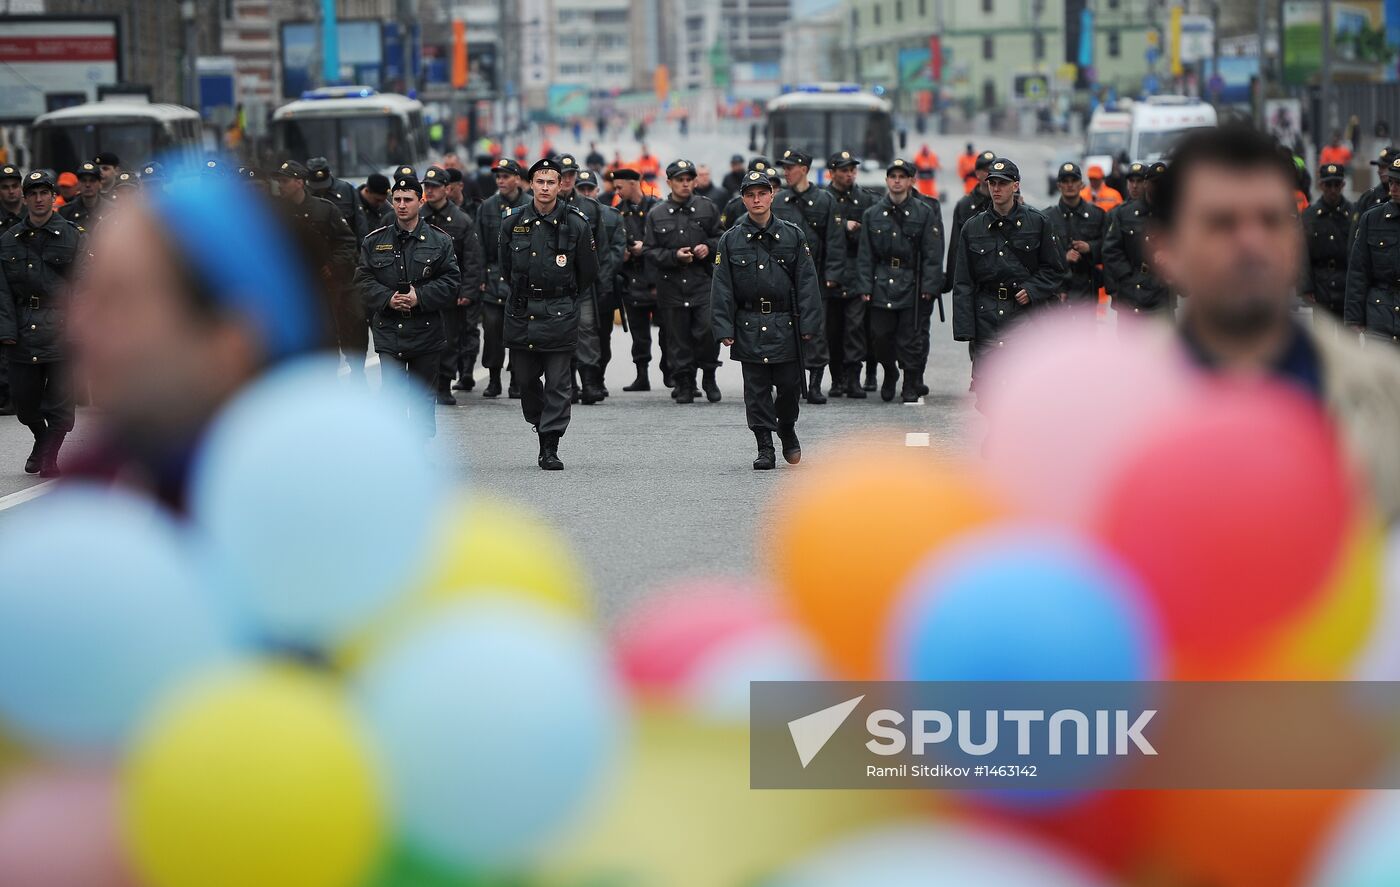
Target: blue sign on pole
{"points": [[1086, 37], [330, 44]]}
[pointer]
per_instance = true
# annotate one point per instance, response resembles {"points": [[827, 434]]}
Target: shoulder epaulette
{"points": [[377, 230]]}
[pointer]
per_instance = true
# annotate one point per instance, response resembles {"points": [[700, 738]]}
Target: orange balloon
{"points": [[1105, 829], [1260, 838], [850, 530]]}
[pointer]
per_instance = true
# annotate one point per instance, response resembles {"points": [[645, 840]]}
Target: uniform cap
{"points": [[587, 178], [508, 165], [841, 159], [679, 168], [107, 158], [128, 180], [377, 183], [319, 168], [1157, 169], [39, 178], [1069, 171], [88, 170], [568, 163], [759, 163], [623, 174], [1393, 171], [792, 157], [1137, 170], [405, 172], [212, 166], [985, 160], [291, 169], [899, 164], [1331, 172], [1388, 153], [10, 171], [406, 183], [545, 163], [435, 175], [1004, 169], [151, 170], [454, 175], [754, 179]]}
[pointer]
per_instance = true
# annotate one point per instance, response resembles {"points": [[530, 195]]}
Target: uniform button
{"points": [[33, 326], [532, 346], [765, 360], [760, 267], [400, 326], [889, 304], [33, 360], [765, 329]]}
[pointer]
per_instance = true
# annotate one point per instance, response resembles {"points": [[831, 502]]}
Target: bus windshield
{"points": [[63, 147], [869, 134], [357, 147], [1154, 145], [1110, 142]]}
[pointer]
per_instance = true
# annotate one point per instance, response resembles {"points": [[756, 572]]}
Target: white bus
{"points": [[1107, 138], [823, 118], [133, 129], [360, 131]]}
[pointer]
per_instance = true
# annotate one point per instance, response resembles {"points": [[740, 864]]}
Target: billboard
{"points": [[567, 100], [916, 68], [1363, 40], [361, 55], [60, 56]]}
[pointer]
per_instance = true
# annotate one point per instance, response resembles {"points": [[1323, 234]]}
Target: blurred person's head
{"points": [[757, 192], [983, 163], [1392, 179], [1069, 183], [39, 194], [375, 190], [11, 192], [289, 180], [1136, 178], [67, 185], [1003, 184], [107, 166], [702, 176], [508, 178], [456, 184], [568, 175], [736, 163], [451, 161], [89, 181], [628, 184], [1228, 236], [406, 197], [1332, 180], [435, 186], [796, 165], [1095, 174]]}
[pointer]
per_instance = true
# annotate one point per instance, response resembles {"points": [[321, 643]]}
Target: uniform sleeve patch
{"points": [[383, 246]]}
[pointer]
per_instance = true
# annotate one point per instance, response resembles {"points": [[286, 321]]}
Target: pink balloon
{"points": [[60, 828], [1065, 402], [660, 641]]}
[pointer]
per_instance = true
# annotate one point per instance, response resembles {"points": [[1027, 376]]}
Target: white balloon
{"points": [[717, 689]]}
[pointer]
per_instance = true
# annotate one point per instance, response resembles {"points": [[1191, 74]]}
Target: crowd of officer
{"points": [[524, 271]]}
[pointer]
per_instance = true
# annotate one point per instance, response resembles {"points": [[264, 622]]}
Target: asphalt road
{"points": [[654, 491]]}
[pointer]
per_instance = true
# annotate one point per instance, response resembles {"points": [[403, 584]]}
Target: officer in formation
{"points": [[408, 276], [87, 210], [548, 258], [767, 305], [322, 183], [813, 210], [1372, 304], [39, 257], [1129, 278], [1080, 226], [452, 220], [846, 316], [12, 210], [611, 249], [734, 210], [679, 243], [975, 201], [372, 201], [638, 287], [1009, 262], [589, 355], [1380, 192], [899, 266], [495, 292], [1327, 225], [108, 165]]}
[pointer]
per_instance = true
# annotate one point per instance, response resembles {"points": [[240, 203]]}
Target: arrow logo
{"points": [[810, 733]]}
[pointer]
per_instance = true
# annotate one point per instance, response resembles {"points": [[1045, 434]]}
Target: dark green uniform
{"points": [[412, 340], [683, 289], [457, 224], [1373, 274], [1089, 223], [550, 262], [1135, 287], [845, 309], [814, 211], [1327, 229], [326, 228], [497, 292], [639, 292], [588, 355], [610, 280]]}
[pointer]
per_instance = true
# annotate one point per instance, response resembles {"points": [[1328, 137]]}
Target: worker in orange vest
{"points": [[967, 169], [1335, 152], [1099, 194], [521, 153], [647, 164], [926, 162]]}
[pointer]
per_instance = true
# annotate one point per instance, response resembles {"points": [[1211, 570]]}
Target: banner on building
{"points": [[916, 68], [1363, 40], [48, 62], [567, 100], [361, 55]]}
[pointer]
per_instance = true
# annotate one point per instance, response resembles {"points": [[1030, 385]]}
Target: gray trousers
{"points": [[546, 386], [588, 353]]}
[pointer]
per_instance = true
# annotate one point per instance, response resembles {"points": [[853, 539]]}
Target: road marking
{"points": [[916, 403], [25, 495], [916, 439]]}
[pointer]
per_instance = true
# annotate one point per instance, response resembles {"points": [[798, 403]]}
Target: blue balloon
{"points": [[101, 611], [1020, 603], [316, 501], [494, 722], [1361, 850]]}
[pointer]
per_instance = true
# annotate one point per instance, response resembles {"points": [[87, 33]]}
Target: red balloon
{"points": [[1234, 514], [1106, 829]]}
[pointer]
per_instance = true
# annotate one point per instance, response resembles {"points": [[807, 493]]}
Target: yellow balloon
{"points": [[484, 546], [256, 776]]}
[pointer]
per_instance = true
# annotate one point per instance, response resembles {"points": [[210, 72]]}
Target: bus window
{"points": [[868, 133], [802, 130]]}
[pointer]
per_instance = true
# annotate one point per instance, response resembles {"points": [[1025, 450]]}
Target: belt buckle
{"points": [[1003, 294], [765, 306], [33, 303], [894, 263]]}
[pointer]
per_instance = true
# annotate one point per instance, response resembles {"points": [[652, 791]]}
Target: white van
{"points": [[1161, 121], [1107, 137]]}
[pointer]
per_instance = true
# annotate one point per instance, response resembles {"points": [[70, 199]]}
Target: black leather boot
{"points": [[465, 380], [869, 383], [549, 453], [36, 455], [814, 387], [444, 393], [493, 387], [919, 383], [890, 387], [513, 389], [685, 387], [712, 393], [592, 390], [48, 454], [909, 391], [642, 382], [767, 460], [853, 387], [792, 448], [838, 384]]}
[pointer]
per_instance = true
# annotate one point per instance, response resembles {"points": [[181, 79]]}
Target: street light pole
{"points": [[1328, 121], [191, 41]]}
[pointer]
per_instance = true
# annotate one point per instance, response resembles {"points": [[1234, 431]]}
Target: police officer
{"points": [[460, 319], [108, 165], [766, 297], [1379, 193], [813, 210], [1373, 270], [321, 182], [900, 264], [610, 281], [548, 258], [38, 258], [407, 276], [371, 202], [734, 210], [1327, 225], [970, 204], [12, 210], [639, 291], [1080, 226], [326, 228], [1009, 262], [846, 315], [495, 292], [589, 356], [679, 243], [1129, 278], [87, 210]]}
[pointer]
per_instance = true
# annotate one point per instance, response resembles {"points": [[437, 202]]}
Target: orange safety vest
{"points": [[926, 162], [1106, 199], [1302, 200], [967, 166], [647, 163], [1340, 155]]}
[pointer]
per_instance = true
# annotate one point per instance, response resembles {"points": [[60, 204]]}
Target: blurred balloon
{"points": [[1208, 514], [494, 721], [1379, 659], [1068, 397], [937, 855], [682, 815], [1361, 850], [294, 539], [484, 546], [1023, 603], [404, 868], [59, 828], [254, 776], [659, 641], [100, 610], [913, 503], [717, 689], [1105, 828]]}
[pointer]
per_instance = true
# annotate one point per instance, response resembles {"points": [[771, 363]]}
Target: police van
{"points": [[359, 130], [128, 126], [823, 118], [1162, 121], [1107, 137]]}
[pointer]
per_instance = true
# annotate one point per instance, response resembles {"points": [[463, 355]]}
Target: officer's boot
{"points": [[642, 382], [48, 455], [549, 452], [767, 460], [853, 387], [712, 393], [573, 386], [592, 385], [919, 382], [814, 386], [36, 455], [838, 383], [444, 392], [513, 389], [869, 383], [909, 391], [890, 386], [792, 449], [465, 378], [493, 387], [685, 387]]}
